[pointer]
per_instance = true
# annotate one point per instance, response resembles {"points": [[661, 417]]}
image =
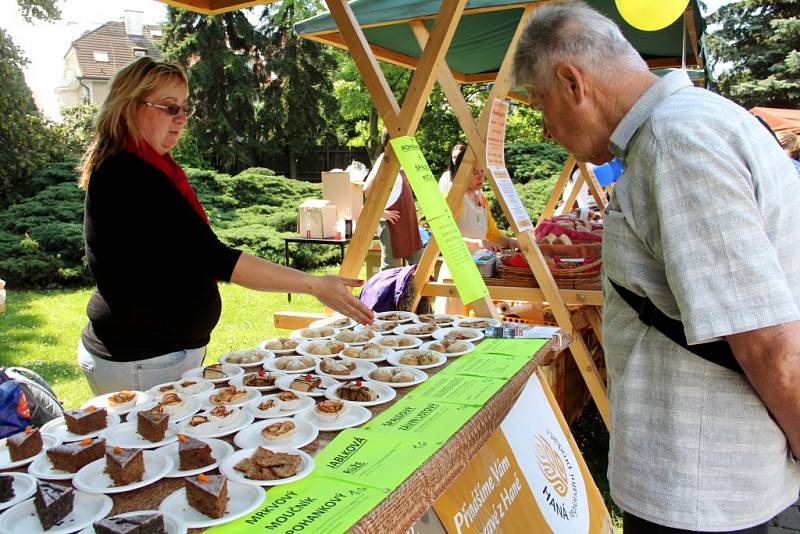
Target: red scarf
{"points": [[168, 166]]}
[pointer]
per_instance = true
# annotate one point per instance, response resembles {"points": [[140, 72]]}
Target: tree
{"points": [[758, 50], [220, 54], [299, 110]]}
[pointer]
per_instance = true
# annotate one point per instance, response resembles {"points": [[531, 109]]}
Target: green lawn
{"points": [[40, 330]]}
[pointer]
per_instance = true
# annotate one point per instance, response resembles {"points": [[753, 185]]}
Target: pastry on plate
{"points": [[268, 465], [356, 391], [330, 409], [214, 372], [418, 357], [144, 523], [86, 420], [121, 399], [261, 379], [193, 453], [289, 400], [245, 357], [337, 367], [24, 444], [228, 395], [124, 466], [152, 425], [208, 494], [305, 383], [71, 457], [53, 502], [278, 431]]}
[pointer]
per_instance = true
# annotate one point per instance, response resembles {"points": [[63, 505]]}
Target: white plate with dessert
{"points": [[397, 377], [311, 385], [216, 373], [416, 330], [337, 322], [312, 334], [395, 342], [118, 402], [461, 334], [353, 338], [230, 396], [48, 440], [127, 436], [477, 323], [185, 386], [361, 392], [329, 415], [343, 369], [281, 404], [292, 364], [194, 461], [177, 405], [418, 359], [152, 467], [281, 432], [86, 509], [396, 316], [70, 458], [378, 327], [246, 358], [279, 345], [58, 427], [208, 425], [449, 347], [261, 380], [242, 499], [442, 320], [23, 486], [172, 523], [321, 349], [241, 466], [366, 353]]}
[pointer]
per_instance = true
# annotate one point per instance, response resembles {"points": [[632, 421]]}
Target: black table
{"points": [[313, 241]]}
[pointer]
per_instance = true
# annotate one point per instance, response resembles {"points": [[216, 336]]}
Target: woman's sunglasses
{"points": [[172, 109]]}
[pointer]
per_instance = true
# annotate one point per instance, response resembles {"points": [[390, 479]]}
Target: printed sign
{"points": [[421, 418], [485, 365], [471, 390], [516, 348]]}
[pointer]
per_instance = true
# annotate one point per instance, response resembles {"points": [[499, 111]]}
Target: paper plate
{"points": [[191, 405], [231, 372], [281, 409], [378, 327], [239, 382], [362, 366], [356, 338], [172, 524], [264, 354], [252, 393], [304, 434], [227, 468], [58, 427], [413, 342], [442, 320], [477, 323], [420, 376], [263, 346], [48, 440], [271, 365], [470, 348], [219, 450], [242, 499], [337, 322], [314, 334], [398, 316], [92, 478], [42, 468], [385, 353], [385, 394], [306, 348], [214, 429], [126, 436], [394, 359], [24, 486], [461, 333], [353, 415], [285, 383], [87, 508], [140, 397], [411, 330]]}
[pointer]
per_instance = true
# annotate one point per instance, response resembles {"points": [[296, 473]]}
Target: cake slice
{"points": [[6, 488], [152, 425], [84, 421], [144, 523], [24, 444], [193, 453], [124, 466], [208, 494], [213, 372], [53, 502], [71, 457], [306, 383]]}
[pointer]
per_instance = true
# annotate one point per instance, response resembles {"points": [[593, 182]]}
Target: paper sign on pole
{"points": [[495, 159], [528, 477], [466, 276]]}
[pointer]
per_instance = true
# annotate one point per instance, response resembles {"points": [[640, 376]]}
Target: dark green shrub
{"points": [[529, 160]]}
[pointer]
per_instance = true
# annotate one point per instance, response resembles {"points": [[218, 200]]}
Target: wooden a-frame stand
{"points": [[404, 120]]}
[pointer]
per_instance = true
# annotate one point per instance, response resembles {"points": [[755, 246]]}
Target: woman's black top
{"points": [[155, 261]]}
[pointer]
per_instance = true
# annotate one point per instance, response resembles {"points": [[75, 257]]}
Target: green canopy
{"points": [[485, 31]]}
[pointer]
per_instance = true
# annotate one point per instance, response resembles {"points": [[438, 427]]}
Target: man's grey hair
{"points": [[575, 33]]}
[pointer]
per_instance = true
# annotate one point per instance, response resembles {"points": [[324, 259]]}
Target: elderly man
{"points": [[700, 225]]}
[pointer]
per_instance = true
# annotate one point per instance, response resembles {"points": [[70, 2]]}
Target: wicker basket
{"points": [[585, 275]]}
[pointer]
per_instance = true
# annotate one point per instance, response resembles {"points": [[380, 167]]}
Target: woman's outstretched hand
{"points": [[334, 292]]}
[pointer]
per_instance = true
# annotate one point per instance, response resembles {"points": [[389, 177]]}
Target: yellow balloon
{"points": [[651, 15]]}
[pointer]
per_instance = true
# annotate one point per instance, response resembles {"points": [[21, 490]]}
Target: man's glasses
{"points": [[172, 109]]}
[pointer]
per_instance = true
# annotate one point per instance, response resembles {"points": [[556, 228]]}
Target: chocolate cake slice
{"points": [[193, 453], [152, 425], [6, 488], [71, 457], [84, 421], [124, 466], [24, 444], [208, 494], [133, 524], [53, 502]]}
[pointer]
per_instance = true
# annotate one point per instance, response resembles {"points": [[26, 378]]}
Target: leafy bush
{"points": [[530, 160]]}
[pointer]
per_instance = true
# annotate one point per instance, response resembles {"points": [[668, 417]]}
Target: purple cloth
{"points": [[382, 292]]}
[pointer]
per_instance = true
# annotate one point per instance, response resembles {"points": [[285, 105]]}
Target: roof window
{"points": [[100, 57], [139, 52]]}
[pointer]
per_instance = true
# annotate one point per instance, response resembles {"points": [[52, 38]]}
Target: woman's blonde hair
{"points": [[116, 120]]}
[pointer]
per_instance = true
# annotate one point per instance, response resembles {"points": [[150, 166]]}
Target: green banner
{"points": [[471, 390], [466, 276], [372, 458], [422, 419], [314, 505], [486, 365], [516, 348]]}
